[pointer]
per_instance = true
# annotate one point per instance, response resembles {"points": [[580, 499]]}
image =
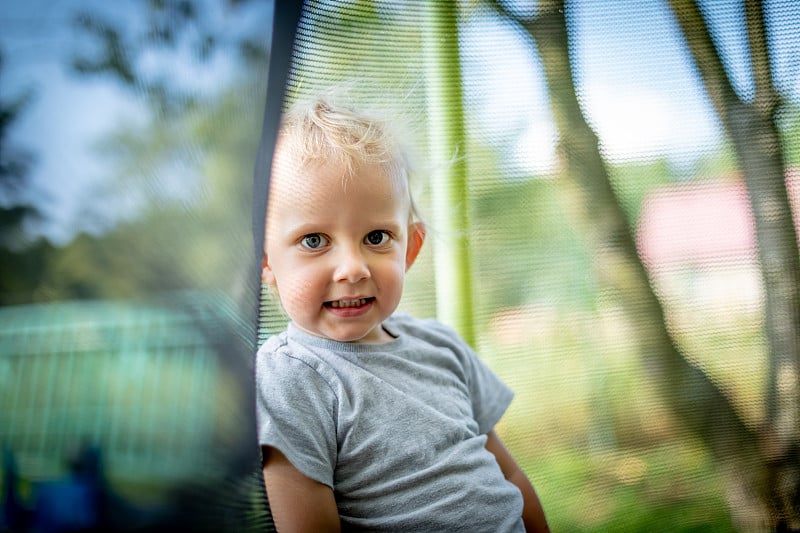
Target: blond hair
{"points": [[321, 132]]}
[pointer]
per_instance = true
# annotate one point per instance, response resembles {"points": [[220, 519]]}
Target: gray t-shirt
{"points": [[398, 430]]}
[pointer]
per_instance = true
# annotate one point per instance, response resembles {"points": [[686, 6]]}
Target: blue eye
{"points": [[313, 241], [377, 237]]}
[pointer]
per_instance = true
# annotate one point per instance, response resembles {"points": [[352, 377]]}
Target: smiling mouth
{"points": [[341, 304]]}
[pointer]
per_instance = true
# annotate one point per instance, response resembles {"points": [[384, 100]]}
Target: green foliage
{"points": [[21, 262], [179, 239], [789, 125], [633, 181], [115, 48], [15, 164], [633, 490], [526, 223], [587, 426]]}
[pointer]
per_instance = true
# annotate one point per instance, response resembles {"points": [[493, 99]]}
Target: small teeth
{"points": [[349, 303]]}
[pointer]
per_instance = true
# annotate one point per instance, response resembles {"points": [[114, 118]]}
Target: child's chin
{"points": [[351, 338], [354, 336]]}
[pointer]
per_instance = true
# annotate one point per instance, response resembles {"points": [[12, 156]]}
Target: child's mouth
{"points": [[343, 304]]}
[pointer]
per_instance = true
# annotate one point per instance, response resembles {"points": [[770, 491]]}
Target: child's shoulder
{"points": [[273, 343], [429, 329], [281, 360], [279, 347]]}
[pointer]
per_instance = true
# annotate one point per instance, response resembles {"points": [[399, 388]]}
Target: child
{"points": [[369, 420]]}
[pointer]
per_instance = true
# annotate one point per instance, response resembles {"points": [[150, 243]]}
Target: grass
{"points": [[603, 451]]}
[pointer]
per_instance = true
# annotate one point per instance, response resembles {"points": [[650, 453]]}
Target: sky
{"points": [[57, 126], [69, 114], [636, 82]]}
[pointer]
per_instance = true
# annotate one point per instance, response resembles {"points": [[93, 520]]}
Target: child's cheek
{"points": [[302, 289]]}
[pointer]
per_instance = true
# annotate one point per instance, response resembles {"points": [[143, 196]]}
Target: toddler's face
{"points": [[337, 249]]}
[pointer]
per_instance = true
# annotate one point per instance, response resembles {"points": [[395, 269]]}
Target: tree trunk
{"points": [[756, 141], [687, 391]]}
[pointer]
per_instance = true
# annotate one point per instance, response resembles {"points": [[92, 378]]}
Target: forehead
{"points": [[311, 186]]}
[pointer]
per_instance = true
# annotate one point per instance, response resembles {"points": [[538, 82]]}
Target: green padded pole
{"points": [[449, 231]]}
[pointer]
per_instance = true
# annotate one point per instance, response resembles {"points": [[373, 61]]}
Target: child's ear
{"points": [[416, 236], [266, 271]]}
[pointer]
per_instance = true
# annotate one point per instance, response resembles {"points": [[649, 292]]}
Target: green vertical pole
{"points": [[447, 137]]}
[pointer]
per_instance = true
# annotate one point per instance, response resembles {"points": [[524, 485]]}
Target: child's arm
{"points": [[298, 503], [532, 512]]}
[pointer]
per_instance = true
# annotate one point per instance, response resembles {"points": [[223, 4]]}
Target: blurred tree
{"points": [[119, 49], [751, 125], [697, 400], [14, 171], [21, 261], [173, 169], [183, 247], [182, 176]]}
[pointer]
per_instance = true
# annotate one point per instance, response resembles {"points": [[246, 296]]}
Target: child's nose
{"points": [[351, 266]]}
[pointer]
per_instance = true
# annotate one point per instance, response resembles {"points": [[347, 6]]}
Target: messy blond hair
{"points": [[320, 131]]}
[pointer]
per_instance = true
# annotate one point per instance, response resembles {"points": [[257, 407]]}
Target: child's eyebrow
{"points": [[305, 228], [302, 228], [385, 224], [385, 221]]}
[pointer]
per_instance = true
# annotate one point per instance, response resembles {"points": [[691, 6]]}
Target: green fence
{"points": [[148, 384]]}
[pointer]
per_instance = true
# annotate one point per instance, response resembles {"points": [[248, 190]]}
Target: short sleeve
{"points": [[295, 411], [490, 397]]}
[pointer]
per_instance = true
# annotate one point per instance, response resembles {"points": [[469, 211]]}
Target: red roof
{"points": [[700, 223]]}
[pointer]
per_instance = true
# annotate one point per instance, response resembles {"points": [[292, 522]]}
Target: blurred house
{"points": [[698, 242]]}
